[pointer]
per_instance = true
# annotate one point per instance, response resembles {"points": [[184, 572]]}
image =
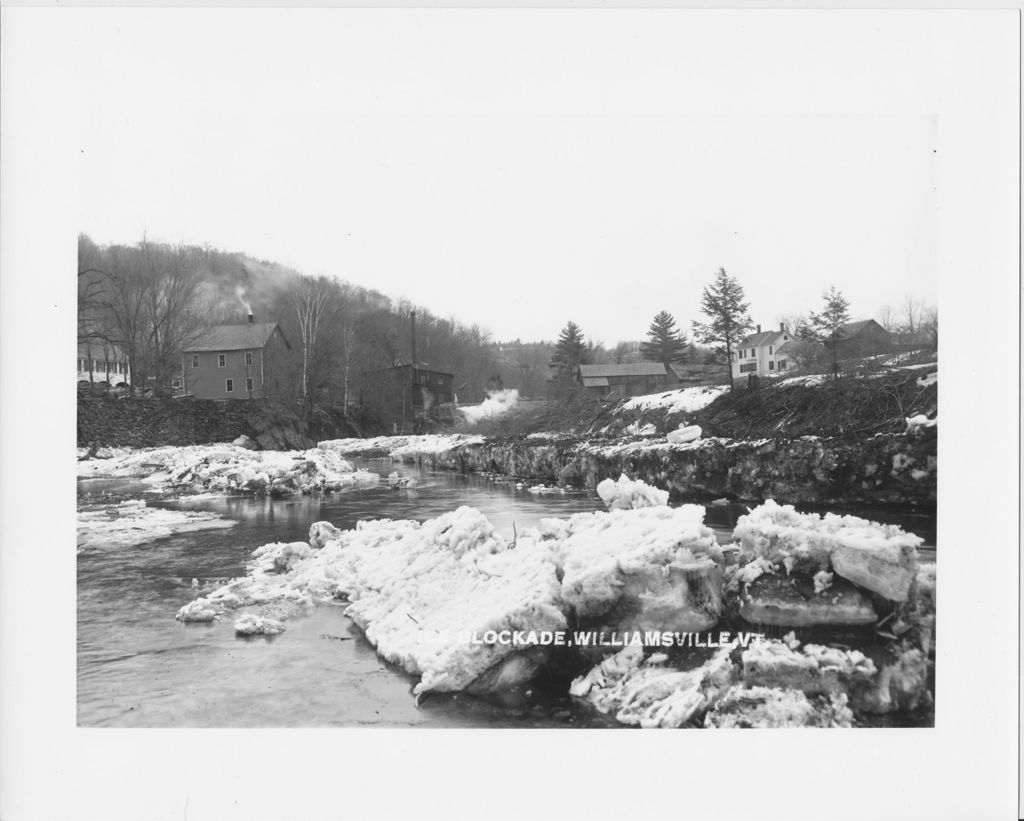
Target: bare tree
{"points": [[887, 318], [310, 304], [912, 311]]}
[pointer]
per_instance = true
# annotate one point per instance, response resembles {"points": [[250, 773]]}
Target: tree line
{"points": [[816, 334], [150, 301]]}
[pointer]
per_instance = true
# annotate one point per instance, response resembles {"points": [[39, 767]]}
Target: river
{"points": [[138, 667]]}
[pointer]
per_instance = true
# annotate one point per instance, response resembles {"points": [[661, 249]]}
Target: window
{"points": [[248, 384], [750, 366], [782, 364], [229, 385], [771, 365], [770, 351], [248, 357], [221, 360], [195, 360]]}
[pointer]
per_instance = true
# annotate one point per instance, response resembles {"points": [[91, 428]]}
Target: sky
{"points": [[519, 170]]}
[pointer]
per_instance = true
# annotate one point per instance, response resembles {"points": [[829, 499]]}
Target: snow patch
{"points": [[686, 400]]}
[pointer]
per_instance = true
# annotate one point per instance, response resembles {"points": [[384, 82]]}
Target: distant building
{"points": [[236, 362], [100, 361], [623, 381], [408, 395], [863, 338], [762, 354]]}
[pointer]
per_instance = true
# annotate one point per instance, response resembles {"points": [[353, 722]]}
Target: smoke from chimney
{"points": [[240, 294]]}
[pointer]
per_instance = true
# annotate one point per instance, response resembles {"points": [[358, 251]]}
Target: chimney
{"points": [[412, 317], [759, 329], [251, 320], [782, 327]]}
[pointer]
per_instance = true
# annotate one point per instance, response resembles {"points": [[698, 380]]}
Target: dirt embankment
{"points": [[849, 407]]}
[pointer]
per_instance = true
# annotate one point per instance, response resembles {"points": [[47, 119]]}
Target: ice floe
{"points": [[133, 523], [234, 469]]}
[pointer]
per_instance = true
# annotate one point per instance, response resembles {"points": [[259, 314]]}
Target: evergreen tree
{"points": [[666, 344], [725, 305], [827, 327], [570, 351]]}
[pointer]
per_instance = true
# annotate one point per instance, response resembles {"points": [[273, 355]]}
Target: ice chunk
{"points": [[770, 707], [656, 566], [649, 694], [790, 602], [879, 557], [685, 433], [133, 523], [627, 494], [253, 625], [198, 610], [234, 469]]}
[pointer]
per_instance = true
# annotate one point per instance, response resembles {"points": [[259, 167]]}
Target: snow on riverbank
{"points": [[686, 400], [133, 523], [233, 469], [400, 448]]}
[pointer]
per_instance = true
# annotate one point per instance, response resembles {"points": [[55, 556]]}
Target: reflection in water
{"points": [[137, 666]]}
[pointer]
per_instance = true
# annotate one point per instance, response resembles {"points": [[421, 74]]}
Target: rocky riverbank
{"points": [[884, 469]]}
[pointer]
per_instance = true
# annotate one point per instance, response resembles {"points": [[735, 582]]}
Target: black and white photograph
{"points": [[493, 369]]}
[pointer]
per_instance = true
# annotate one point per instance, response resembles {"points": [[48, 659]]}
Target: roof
{"points": [[419, 368], [851, 329], [236, 337], [595, 382], [629, 369], [761, 339]]}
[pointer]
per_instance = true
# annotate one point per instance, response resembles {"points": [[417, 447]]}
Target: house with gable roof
{"points": [[762, 353], [247, 361]]}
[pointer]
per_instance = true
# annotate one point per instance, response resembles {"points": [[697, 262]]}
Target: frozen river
{"points": [[138, 667]]}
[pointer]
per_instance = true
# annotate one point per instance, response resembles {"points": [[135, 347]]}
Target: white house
{"points": [[762, 354]]}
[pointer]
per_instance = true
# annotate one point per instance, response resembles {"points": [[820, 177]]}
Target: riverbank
{"points": [[885, 469]]}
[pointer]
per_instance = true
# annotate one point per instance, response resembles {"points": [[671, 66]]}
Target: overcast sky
{"points": [[522, 169]]}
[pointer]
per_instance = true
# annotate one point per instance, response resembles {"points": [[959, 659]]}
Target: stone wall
{"points": [[117, 422]]}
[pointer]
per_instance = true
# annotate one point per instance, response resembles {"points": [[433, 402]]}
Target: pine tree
{"points": [[827, 326], [725, 305], [570, 351], [666, 344]]}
